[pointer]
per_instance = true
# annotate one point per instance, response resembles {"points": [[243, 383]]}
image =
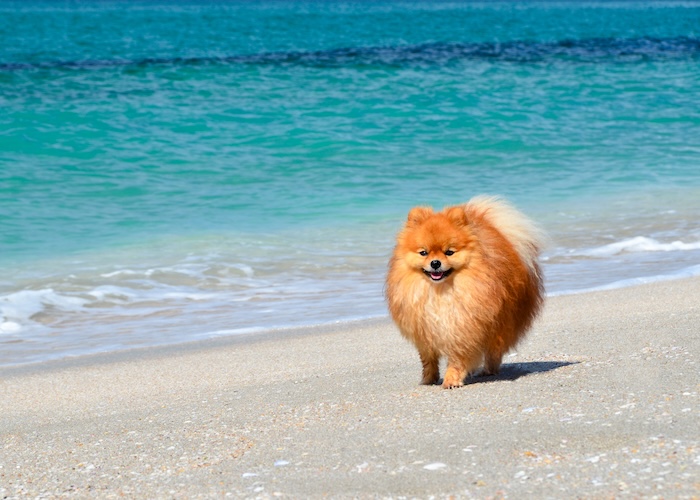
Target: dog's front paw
{"points": [[452, 385], [453, 379]]}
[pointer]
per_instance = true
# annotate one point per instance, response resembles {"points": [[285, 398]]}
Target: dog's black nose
{"points": [[435, 264]]}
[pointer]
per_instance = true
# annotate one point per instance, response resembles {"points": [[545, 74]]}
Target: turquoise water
{"points": [[180, 170]]}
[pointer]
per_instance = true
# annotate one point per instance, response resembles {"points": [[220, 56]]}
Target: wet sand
{"points": [[601, 400]]}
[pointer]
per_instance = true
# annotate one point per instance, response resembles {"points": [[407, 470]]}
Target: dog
{"points": [[465, 283]]}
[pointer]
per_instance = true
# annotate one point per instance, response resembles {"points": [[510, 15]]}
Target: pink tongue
{"points": [[436, 276]]}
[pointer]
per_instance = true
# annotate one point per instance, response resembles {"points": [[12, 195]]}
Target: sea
{"points": [[172, 171]]}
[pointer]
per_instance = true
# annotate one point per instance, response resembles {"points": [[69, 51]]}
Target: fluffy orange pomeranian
{"points": [[465, 283]]}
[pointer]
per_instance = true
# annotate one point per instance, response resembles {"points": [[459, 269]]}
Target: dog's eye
{"points": [[423, 253], [449, 252]]}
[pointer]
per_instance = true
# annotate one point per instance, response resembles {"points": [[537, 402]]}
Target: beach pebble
{"points": [[362, 467], [435, 466], [281, 463]]}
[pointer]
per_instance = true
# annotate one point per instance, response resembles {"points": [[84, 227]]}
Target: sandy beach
{"points": [[601, 400]]}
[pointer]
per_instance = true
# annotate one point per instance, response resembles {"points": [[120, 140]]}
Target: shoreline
{"points": [[202, 344], [601, 399], [249, 334]]}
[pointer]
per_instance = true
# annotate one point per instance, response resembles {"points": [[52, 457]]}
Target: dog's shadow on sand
{"points": [[514, 371]]}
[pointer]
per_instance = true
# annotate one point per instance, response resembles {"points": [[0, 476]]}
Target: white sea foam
{"points": [[636, 244], [246, 269], [19, 306], [17, 309], [112, 293], [10, 327], [120, 272], [190, 296], [239, 331], [140, 304]]}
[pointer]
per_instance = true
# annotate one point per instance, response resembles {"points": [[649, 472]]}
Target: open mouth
{"points": [[438, 275]]}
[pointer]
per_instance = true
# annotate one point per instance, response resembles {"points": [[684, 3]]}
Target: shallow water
{"points": [[173, 172]]}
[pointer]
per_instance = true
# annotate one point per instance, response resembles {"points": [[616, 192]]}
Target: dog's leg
{"points": [[458, 367], [431, 369], [492, 363], [454, 376]]}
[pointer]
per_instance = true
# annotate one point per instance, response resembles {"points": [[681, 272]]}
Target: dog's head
{"points": [[436, 244]]}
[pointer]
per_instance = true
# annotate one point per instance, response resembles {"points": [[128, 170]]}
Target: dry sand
{"points": [[601, 400]]}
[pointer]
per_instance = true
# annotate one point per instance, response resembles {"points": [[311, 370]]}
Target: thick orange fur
{"points": [[482, 298]]}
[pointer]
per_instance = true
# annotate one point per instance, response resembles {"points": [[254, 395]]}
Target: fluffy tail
{"points": [[525, 236]]}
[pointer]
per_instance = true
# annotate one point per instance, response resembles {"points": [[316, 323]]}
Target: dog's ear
{"points": [[418, 215], [457, 215]]}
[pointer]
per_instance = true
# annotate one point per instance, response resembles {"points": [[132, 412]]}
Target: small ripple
{"points": [[596, 50]]}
